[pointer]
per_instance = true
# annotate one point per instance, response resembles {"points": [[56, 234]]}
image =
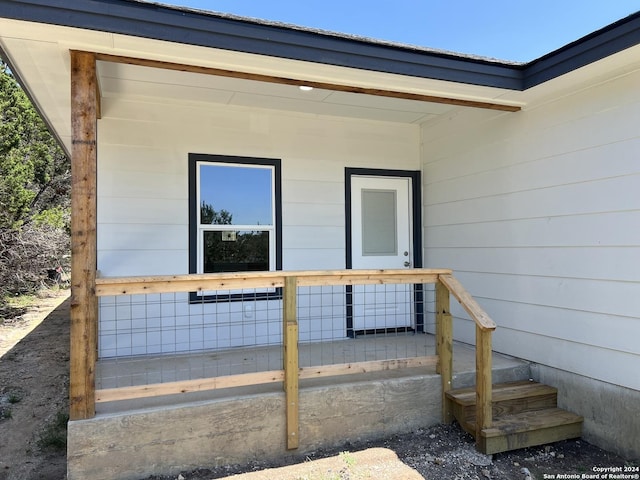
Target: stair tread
{"points": [[530, 421], [502, 392]]}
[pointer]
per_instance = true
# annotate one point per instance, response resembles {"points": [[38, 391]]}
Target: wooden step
{"points": [[527, 429], [507, 399]]}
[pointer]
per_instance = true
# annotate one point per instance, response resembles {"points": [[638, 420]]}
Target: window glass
{"points": [[236, 195], [379, 222], [234, 251]]}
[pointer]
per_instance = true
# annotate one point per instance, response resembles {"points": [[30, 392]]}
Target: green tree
{"points": [[35, 182], [35, 173]]}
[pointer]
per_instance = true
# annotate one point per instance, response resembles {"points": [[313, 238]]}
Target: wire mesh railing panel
{"points": [[159, 338], [350, 324], [170, 337]]}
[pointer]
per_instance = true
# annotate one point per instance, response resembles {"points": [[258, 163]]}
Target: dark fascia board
{"points": [[192, 27], [228, 32], [600, 44]]}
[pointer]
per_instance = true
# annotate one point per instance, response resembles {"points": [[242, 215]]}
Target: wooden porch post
{"points": [[444, 346], [484, 411], [290, 333], [84, 303]]}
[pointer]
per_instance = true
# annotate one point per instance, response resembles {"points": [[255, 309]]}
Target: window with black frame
{"points": [[235, 211]]}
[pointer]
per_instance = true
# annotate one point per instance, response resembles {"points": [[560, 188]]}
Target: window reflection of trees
{"points": [[241, 251]]}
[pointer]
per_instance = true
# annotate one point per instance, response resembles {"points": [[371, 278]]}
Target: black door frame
{"points": [[416, 204]]}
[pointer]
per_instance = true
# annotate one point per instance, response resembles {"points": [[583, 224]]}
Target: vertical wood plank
{"points": [[446, 365], [444, 347], [291, 360], [484, 415], [84, 303]]}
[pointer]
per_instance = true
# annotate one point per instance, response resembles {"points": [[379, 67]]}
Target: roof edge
{"points": [[607, 41], [228, 32]]}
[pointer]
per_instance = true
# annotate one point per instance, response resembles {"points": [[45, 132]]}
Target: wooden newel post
{"points": [[484, 411], [290, 333], [84, 303], [444, 347]]}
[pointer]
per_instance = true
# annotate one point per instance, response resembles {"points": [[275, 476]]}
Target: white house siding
{"points": [[143, 210], [538, 213]]}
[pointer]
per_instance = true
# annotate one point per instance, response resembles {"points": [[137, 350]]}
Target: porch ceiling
{"points": [[39, 55], [123, 81]]}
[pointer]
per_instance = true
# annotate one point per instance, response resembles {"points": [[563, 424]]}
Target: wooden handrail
{"points": [[484, 328], [238, 280], [477, 314]]}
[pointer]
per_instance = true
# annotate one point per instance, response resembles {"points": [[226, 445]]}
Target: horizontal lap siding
{"points": [[550, 262], [143, 205], [143, 176], [538, 213]]}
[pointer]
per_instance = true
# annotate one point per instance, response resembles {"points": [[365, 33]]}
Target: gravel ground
{"points": [[439, 452]]}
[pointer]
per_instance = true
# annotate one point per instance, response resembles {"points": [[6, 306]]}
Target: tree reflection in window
{"points": [[231, 250], [242, 251], [209, 216]]}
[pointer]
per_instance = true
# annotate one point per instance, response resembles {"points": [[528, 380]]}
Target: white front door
{"points": [[381, 238]]}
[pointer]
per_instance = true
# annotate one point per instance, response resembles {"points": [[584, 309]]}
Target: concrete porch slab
{"points": [[133, 439]]}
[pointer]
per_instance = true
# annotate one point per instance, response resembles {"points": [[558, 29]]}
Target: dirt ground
{"points": [[439, 452], [34, 363], [34, 380]]}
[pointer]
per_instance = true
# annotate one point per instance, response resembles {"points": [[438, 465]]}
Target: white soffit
{"points": [[40, 54], [151, 84]]}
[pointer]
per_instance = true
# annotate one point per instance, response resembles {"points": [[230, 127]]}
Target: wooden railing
{"points": [[484, 327], [291, 373]]}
